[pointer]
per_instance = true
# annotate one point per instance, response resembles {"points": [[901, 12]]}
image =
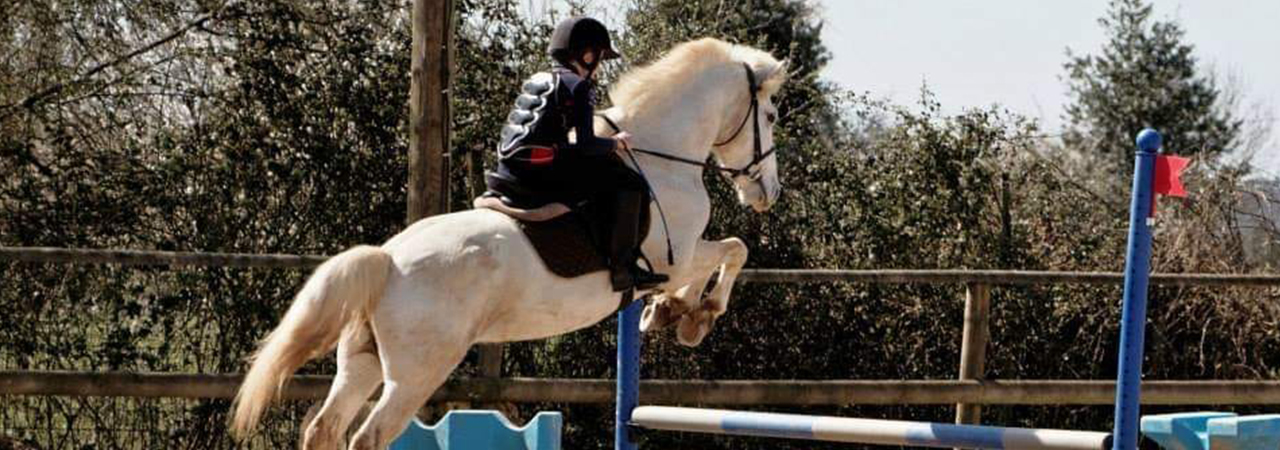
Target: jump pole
{"points": [[863, 431], [1137, 271]]}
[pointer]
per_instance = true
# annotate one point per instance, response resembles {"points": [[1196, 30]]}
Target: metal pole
{"points": [[1136, 272], [628, 373]]}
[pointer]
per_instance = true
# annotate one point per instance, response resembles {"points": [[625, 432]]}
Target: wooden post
{"points": [[490, 354], [973, 347], [429, 108], [429, 132]]}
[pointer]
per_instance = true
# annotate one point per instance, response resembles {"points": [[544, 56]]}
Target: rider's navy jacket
{"points": [[569, 106]]}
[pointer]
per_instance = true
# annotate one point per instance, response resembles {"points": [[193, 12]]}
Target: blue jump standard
{"points": [[482, 430], [1137, 271], [628, 387], [1213, 431]]}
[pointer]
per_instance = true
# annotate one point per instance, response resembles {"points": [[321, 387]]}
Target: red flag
{"points": [[1168, 179]]}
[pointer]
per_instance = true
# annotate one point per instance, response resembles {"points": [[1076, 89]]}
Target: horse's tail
{"points": [[340, 293]]}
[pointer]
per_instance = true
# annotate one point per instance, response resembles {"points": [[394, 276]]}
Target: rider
{"points": [[550, 152]]}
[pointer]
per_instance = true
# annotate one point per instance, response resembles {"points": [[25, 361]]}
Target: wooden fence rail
{"points": [[157, 258], [997, 277], [676, 392]]}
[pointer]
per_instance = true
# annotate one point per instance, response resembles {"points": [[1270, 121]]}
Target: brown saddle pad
{"points": [[566, 244], [572, 244]]}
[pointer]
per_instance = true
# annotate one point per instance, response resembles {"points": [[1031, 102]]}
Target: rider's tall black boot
{"points": [[624, 243]]}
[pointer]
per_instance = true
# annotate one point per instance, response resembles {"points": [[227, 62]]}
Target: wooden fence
{"points": [[967, 392]]}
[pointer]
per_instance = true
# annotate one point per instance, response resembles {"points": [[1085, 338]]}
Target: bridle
{"points": [[749, 170]]}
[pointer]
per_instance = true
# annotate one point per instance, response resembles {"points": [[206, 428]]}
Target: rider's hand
{"points": [[623, 141]]}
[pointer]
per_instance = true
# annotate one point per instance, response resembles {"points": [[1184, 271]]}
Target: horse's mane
{"points": [[637, 89]]}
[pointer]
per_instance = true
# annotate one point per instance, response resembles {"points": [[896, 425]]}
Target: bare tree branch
{"points": [[1067, 178], [34, 99]]}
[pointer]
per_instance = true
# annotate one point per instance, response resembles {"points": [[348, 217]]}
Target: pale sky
{"points": [[973, 53]]}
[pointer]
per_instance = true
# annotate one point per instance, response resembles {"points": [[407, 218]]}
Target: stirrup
{"points": [[648, 280]]}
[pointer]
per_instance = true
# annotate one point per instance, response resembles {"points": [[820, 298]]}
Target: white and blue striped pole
{"points": [[1137, 270], [628, 374], [864, 431]]}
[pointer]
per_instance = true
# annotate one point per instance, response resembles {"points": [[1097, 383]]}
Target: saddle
{"points": [[570, 241]]}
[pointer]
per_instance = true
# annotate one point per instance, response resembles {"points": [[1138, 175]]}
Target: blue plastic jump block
{"points": [[1213, 431], [1181, 431], [1245, 433], [482, 430]]}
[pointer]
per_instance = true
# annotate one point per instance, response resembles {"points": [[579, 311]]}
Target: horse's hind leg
{"points": [[415, 364], [359, 373]]}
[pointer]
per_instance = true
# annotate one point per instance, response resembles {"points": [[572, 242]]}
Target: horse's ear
{"points": [[771, 77], [767, 72]]}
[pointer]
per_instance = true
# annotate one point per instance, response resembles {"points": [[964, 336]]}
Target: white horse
{"points": [[404, 314]]}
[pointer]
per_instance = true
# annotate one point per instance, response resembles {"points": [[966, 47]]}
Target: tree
{"points": [[1145, 76]]}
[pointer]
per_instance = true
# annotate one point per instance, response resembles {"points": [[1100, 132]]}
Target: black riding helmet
{"points": [[577, 33]]}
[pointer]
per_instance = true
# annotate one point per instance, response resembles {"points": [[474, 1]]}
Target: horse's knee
{"points": [[735, 257], [735, 250]]}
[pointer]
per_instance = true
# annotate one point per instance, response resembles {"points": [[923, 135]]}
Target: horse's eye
{"points": [[771, 117]]}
